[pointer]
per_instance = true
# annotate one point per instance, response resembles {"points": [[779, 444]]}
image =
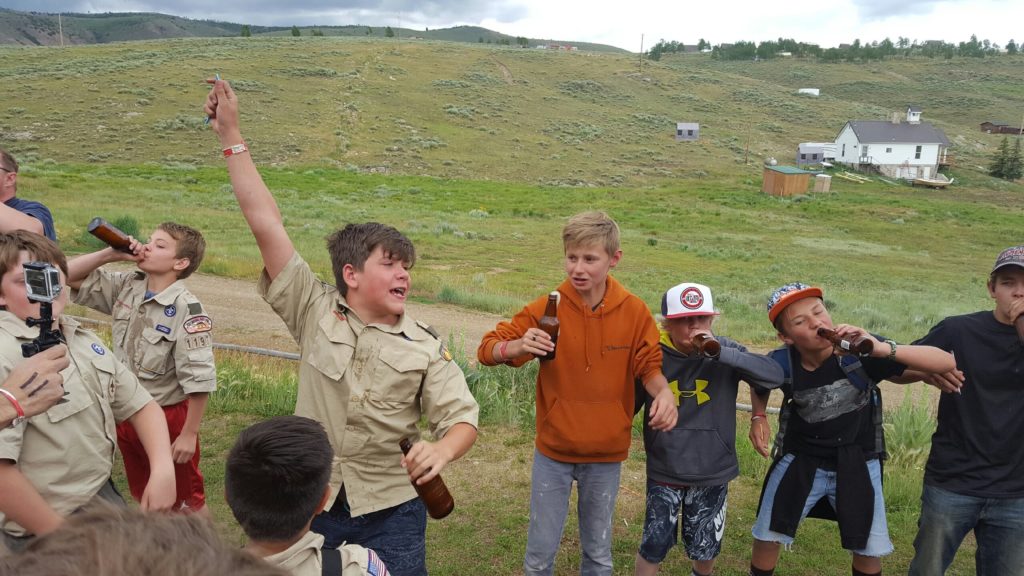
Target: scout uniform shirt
{"points": [[305, 559], [368, 385], [67, 452], [166, 339]]}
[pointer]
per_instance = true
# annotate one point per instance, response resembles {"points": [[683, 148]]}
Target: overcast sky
{"points": [[825, 22]]}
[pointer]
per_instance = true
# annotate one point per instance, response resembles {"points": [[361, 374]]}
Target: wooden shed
{"points": [[785, 180]]}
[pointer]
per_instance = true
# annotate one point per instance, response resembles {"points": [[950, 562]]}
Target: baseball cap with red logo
{"points": [[687, 299], [1010, 257]]}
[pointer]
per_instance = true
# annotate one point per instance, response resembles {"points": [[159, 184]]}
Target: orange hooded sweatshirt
{"points": [[585, 395]]}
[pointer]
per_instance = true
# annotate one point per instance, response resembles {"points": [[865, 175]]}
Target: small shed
{"points": [[810, 153], [809, 91], [687, 131], [785, 180]]}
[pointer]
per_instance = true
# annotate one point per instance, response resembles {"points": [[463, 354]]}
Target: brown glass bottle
{"points": [[707, 345], [549, 323], [434, 493], [861, 346], [110, 234]]}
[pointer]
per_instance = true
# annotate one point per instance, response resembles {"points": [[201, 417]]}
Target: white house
{"points": [[909, 149]]}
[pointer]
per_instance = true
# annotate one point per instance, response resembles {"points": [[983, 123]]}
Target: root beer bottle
{"points": [[861, 346], [707, 345], [434, 493], [110, 234], [549, 323]]}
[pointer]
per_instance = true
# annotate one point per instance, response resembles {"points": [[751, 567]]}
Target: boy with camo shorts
{"points": [[690, 466]]}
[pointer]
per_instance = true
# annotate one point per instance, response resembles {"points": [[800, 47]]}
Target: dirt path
{"points": [[241, 317]]}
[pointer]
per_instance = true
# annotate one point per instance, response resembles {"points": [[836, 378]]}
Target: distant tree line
{"points": [[855, 52]]}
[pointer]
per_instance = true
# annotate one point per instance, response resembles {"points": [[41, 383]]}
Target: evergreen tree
{"points": [[295, 31], [1014, 169], [389, 32], [369, 31], [246, 31], [1011, 47], [998, 167]]}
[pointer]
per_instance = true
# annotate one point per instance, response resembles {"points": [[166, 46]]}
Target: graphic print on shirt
{"points": [[698, 392]]}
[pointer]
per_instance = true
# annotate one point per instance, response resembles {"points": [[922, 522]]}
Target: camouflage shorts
{"points": [[702, 509]]}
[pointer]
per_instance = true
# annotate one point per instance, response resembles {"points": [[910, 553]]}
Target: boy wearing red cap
{"points": [[974, 479], [689, 467], [828, 452]]}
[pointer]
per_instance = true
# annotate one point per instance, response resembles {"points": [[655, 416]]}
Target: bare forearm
{"points": [[655, 384], [196, 408], [921, 358], [458, 441], [21, 502], [11, 220]]}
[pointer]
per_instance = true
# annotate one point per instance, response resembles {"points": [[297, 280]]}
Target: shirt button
{"points": [[355, 398], [350, 428]]}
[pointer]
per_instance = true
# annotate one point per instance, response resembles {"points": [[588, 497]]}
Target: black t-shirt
{"points": [[978, 448], [829, 411]]}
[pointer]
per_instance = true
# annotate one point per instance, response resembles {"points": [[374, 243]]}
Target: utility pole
{"points": [[641, 54], [60, 30]]}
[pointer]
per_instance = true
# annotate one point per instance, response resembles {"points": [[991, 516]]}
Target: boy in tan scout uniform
{"points": [[161, 332], [57, 462], [368, 371], [291, 452]]}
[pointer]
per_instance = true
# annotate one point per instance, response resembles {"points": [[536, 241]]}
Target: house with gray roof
{"points": [[905, 149]]}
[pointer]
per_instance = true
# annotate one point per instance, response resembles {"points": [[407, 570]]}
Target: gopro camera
{"points": [[42, 281]]}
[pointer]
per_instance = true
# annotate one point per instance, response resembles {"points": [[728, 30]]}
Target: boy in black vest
{"points": [[830, 443]]}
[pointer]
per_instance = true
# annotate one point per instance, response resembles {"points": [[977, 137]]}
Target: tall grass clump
{"points": [[908, 432], [507, 395], [253, 385]]}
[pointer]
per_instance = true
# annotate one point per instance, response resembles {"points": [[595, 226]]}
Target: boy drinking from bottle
{"points": [[161, 332], [585, 396], [830, 444], [690, 466]]}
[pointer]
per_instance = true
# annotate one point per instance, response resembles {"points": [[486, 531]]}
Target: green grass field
{"points": [[479, 154]]}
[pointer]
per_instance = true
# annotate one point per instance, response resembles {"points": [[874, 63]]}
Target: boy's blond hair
{"points": [[593, 227], [191, 245]]}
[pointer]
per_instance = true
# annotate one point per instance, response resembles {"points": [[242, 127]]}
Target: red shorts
{"points": [[187, 478]]}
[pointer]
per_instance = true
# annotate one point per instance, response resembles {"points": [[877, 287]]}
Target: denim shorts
{"points": [[703, 521], [825, 486]]}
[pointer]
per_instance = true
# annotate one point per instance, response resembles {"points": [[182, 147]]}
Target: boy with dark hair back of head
{"points": [[690, 466], [974, 478], [57, 462], [161, 332], [369, 373], [277, 478], [828, 452], [585, 395]]}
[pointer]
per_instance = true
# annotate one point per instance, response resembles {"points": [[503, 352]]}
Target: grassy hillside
{"points": [[477, 111]]}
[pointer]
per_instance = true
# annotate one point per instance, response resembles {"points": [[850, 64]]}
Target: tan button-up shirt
{"points": [[67, 452], [166, 340], [368, 384], [305, 559]]}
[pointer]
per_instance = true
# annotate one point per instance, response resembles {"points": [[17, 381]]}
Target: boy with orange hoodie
{"points": [[585, 396]]}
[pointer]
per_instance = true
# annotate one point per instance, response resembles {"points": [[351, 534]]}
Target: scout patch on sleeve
{"points": [[195, 308], [198, 324], [197, 341], [445, 353]]}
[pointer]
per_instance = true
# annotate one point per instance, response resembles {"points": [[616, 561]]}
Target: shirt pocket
{"points": [[398, 375], [156, 356], [119, 324]]}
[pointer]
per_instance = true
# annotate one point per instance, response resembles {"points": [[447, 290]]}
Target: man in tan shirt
{"points": [[54, 463], [276, 481], [368, 371], [161, 332]]}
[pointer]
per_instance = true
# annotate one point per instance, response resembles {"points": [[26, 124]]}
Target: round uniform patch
{"points": [[98, 349], [691, 298], [170, 311]]}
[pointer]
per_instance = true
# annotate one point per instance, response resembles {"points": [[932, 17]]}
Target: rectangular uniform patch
{"points": [[195, 308], [196, 341], [374, 565], [162, 328]]}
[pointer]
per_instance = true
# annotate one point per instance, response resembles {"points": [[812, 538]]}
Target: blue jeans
{"points": [[397, 534], [946, 517], [551, 482], [825, 486]]}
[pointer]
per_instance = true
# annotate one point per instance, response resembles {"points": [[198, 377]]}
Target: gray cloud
{"points": [[882, 9], [302, 12]]}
